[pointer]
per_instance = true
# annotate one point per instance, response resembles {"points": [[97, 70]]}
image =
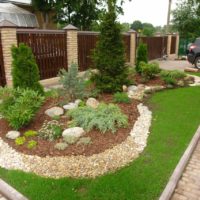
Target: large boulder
{"points": [[92, 102], [13, 135], [70, 106], [54, 111], [73, 132]]}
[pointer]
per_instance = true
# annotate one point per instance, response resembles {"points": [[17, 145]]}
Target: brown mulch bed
{"points": [[100, 142], [152, 82]]}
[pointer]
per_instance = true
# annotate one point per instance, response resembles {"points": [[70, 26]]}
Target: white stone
{"points": [[92, 102], [54, 111], [77, 101], [70, 106], [132, 88], [13, 135], [124, 88], [73, 132]]}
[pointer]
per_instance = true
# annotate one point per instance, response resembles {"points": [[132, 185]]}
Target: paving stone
{"points": [[188, 187]]}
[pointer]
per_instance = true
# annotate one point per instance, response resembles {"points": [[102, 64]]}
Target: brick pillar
{"points": [[8, 38], [169, 42], [177, 44], [132, 46], [72, 44]]}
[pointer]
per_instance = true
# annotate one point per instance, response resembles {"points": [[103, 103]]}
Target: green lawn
{"points": [[194, 73], [176, 116]]}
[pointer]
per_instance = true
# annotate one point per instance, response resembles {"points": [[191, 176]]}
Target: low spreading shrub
{"points": [[121, 97], [19, 106], [50, 130], [20, 141], [172, 76], [30, 133], [31, 144], [104, 118], [149, 70]]}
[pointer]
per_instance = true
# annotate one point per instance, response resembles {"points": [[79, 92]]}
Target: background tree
{"points": [[137, 25], [125, 27], [109, 55], [148, 29], [44, 6], [186, 18]]}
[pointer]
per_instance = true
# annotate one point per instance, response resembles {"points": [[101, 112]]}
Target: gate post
{"points": [[132, 46], [72, 44], [8, 38], [177, 44], [169, 42]]}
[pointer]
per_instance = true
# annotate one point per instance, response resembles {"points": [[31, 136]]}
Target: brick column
{"points": [[72, 44], [177, 44], [169, 42], [132, 46], [8, 38]]}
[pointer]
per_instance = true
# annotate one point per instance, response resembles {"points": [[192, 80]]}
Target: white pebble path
{"points": [[82, 166]]}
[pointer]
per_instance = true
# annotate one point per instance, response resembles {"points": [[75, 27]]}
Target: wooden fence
{"points": [[157, 46], [2, 71], [86, 44], [49, 49], [173, 45]]}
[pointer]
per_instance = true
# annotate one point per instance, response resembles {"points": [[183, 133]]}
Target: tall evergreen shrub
{"points": [[109, 55], [25, 71], [142, 56]]}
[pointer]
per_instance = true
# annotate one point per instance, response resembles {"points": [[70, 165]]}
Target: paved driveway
{"points": [[174, 64]]}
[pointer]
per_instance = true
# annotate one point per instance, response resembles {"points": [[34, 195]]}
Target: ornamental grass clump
{"points": [[106, 117], [19, 106]]}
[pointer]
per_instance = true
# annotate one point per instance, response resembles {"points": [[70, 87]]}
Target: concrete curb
{"points": [[9, 192], [170, 187]]}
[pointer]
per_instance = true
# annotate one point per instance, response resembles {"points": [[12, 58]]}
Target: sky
{"points": [[151, 11]]}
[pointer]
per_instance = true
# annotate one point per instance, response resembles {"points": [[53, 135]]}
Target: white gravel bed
{"points": [[82, 166]]}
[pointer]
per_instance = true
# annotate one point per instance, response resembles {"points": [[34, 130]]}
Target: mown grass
{"points": [[176, 116], [194, 73]]}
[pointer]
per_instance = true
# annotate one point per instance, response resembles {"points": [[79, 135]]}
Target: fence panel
{"points": [[173, 45], [2, 70], [156, 46], [87, 42], [49, 49]]}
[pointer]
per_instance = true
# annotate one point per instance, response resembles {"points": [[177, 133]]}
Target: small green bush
{"points": [[104, 118], [141, 56], [20, 141], [73, 84], [70, 139], [30, 133], [85, 141], [25, 71], [121, 97], [61, 146], [31, 144], [149, 70], [50, 130], [19, 106], [172, 76]]}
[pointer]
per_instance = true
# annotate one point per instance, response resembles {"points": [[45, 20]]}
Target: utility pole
{"points": [[168, 15]]}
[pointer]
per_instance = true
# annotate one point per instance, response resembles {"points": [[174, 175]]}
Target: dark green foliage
{"points": [[149, 70], [141, 56], [25, 71], [19, 106], [109, 55], [121, 97], [172, 76], [104, 118]]}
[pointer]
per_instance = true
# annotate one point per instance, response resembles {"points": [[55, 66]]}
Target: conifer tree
{"points": [[25, 71], [109, 55]]}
